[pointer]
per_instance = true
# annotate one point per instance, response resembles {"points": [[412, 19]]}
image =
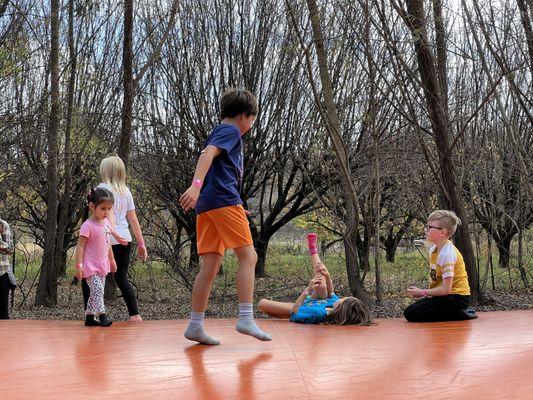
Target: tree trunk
{"points": [[370, 122], [363, 250], [390, 250], [127, 73], [504, 250], [353, 271], [127, 108], [489, 260], [439, 118], [47, 288], [391, 241], [261, 246], [331, 119], [3, 7], [129, 82], [520, 260], [64, 207], [526, 24]]}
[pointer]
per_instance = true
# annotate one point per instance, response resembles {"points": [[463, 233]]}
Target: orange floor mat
{"points": [[487, 358]]}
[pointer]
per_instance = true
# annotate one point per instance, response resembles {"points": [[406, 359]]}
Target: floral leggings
{"points": [[95, 304]]}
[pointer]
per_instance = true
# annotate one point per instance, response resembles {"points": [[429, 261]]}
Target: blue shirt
{"points": [[313, 311], [223, 180]]}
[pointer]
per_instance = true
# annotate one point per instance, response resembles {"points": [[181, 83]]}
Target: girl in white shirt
{"points": [[113, 175]]}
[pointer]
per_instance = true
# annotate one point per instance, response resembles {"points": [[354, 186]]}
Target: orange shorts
{"points": [[222, 228]]}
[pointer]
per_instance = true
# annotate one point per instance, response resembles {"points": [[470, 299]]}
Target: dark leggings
{"points": [[4, 296], [438, 308], [122, 258]]}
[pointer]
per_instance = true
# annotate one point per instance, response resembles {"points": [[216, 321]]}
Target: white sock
{"points": [[195, 331], [246, 323]]}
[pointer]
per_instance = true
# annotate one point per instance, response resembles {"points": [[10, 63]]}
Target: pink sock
{"points": [[311, 243]]}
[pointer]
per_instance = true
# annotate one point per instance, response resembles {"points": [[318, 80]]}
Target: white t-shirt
{"points": [[123, 204]]}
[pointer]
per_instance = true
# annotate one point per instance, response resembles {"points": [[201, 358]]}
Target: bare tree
{"points": [[129, 81], [433, 75], [325, 102], [47, 290]]}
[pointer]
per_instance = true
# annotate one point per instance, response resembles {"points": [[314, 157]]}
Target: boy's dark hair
{"points": [[234, 102], [99, 195]]}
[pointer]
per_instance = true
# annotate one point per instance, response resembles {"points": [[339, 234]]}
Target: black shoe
{"points": [[90, 321], [104, 320], [469, 313]]}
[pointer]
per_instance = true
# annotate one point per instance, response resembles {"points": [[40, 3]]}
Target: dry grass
{"points": [[161, 296]]}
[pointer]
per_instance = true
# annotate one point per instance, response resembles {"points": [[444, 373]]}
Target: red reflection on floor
{"points": [[487, 358]]}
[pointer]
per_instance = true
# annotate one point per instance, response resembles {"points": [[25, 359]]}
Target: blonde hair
{"points": [[113, 172], [449, 219], [351, 311]]}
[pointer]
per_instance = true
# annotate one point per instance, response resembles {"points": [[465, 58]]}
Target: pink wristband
{"points": [[197, 183], [425, 291], [141, 245], [79, 266]]}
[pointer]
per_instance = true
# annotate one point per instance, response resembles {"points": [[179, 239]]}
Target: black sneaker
{"points": [[90, 321], [104, 320], [469, 313]]}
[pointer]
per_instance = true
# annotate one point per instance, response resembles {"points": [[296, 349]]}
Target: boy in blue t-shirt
{"points": [[221, 221]]}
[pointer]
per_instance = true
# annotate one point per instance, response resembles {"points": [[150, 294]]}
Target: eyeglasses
{"points": [[428, 227]]}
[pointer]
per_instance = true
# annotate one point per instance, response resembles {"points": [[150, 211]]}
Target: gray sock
{"points": [[246, 323], [195, 331]]}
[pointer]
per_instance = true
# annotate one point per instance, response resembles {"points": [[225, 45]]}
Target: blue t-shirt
{"points": [[223, 180], [313, 311]]}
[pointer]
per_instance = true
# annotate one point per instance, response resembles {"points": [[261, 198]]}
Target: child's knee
{"points": [[321, 290], [208, 273], [252, 255], [414, 313], [247, 255]]}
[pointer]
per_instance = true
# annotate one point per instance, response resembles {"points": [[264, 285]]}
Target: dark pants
{"points": [[122, 258], [438, 308], [4, 296]]}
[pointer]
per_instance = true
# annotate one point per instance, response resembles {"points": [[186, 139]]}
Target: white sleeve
{"points": [[130, 205], [447, 260]]}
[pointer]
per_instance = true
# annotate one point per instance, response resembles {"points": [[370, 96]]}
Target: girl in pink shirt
{"points": [[94, 257]]}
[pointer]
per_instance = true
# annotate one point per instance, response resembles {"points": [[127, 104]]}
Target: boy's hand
{"points": [[415, 292], [189, 198], [113, 265]]}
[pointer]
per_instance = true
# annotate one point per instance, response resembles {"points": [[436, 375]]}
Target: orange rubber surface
{"points": [[487, 358]]}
